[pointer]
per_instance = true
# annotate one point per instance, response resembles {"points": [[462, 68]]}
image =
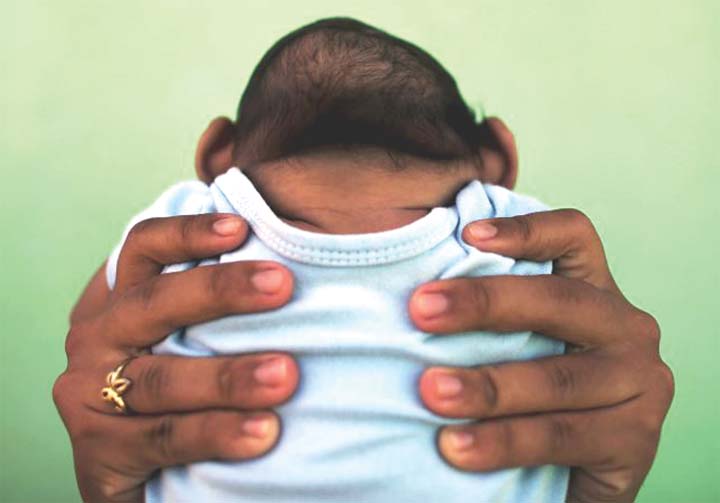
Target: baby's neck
{"points": [[351, 195]]}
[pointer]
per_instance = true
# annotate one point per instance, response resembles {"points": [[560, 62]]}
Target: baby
{"points": [[357, 164]]}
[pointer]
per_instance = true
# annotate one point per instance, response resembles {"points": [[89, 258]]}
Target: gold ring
{"points": [[116, 386]]}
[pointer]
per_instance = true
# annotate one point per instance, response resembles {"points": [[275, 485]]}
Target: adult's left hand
{"points": [[599, 408]]}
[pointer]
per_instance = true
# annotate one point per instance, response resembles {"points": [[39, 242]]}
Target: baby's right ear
{"points": [[498, 153], [213, 155]]}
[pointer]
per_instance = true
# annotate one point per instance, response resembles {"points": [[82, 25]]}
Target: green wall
{"points": [[615, 105]]}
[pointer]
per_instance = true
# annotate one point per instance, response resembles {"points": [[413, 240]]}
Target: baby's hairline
{"points": [[364, 157]]}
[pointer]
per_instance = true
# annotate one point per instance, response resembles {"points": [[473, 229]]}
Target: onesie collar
{"points": [[340, 250]]}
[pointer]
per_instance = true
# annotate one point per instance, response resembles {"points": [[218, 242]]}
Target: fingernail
{"points": [[482, 230], [268, 281], [257, 427], [447, 386], [227, 226], [431, 304], [460, 440], [271, 372]]}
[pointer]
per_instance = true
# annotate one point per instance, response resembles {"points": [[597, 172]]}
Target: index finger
{"points": [[566, 236], [154, 243], [147, 313]]}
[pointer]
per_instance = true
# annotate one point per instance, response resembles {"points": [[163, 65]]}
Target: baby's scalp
{"points": [[346, 105], [340, 83]]}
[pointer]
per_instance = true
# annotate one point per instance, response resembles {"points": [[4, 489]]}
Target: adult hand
{"points": [[598, 409], [183, 409]]}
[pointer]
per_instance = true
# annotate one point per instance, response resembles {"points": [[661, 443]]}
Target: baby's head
{"points": [[341, 86]]}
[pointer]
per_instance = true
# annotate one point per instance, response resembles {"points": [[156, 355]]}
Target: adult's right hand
{"points": [[183, 409]]}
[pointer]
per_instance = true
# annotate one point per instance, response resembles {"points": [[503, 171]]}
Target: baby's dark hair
{"points": [[340, 82]]}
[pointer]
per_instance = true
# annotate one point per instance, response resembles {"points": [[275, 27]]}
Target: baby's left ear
{"points": [[499, 153], [213, 155]]}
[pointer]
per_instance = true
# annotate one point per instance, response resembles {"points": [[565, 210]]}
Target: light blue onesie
{"points": [[356, 430]]}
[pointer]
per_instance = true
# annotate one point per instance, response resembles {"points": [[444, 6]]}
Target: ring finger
{"points": [[163, 384]]}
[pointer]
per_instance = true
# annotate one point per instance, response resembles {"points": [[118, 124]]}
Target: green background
{"points": [[614, 104]]}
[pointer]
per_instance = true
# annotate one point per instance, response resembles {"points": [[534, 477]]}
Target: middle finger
{"points": [[568, 382]]}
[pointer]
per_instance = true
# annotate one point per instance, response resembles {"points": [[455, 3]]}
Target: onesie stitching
{"points": [[407, 248]]}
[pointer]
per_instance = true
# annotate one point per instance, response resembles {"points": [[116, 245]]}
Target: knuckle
{"points": [[153, 379], [73, 341], [562, 431], [187, 229], [112, 488], [639, 445], [648, 327], [507, 443], [81, 336], [578, 219], [59, 390], [187, 232], [666, 381], [161, 436], [565, 293], [487, 388], [650, 425], [615, 485], [479, 296], [562, 380], [145, 294], [524, 228], [138, 230], [580, 224]]}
